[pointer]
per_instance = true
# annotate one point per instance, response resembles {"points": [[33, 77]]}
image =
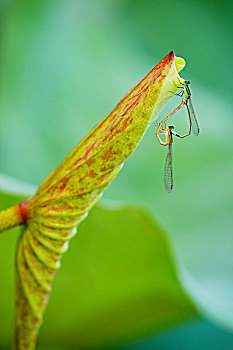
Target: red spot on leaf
{"points": [[111, 137], [113, 117], [81, 179], [23, 211], [90, 162], [64, 183], [86, 154], [133, 105], [110, 154]]}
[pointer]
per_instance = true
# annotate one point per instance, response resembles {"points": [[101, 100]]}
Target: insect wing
{"points": [[168, 173], [194, 123]]}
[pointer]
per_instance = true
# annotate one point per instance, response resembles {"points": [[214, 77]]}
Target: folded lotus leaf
{"points": [[70, 191]]}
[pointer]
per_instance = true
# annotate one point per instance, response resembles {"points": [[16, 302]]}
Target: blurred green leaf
{"points": [[194, 335], [118, 282]]}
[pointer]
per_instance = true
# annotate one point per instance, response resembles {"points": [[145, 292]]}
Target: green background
{"points": [[65, 64]]}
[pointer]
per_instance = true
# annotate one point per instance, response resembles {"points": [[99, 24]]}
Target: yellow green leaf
{"points": [[70, 191]]}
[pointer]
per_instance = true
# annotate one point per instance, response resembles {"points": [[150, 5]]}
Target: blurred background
{"points": [[65, 64]]}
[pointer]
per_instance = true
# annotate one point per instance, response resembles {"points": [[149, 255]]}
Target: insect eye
{"points": [[187, 82]]}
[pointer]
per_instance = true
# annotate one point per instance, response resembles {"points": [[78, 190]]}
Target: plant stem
{"points": [[12, 217]]}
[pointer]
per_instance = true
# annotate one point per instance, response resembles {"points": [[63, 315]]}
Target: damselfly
{"points": [[188, 103], [186, 100], [168, 132], [168, 169]]}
